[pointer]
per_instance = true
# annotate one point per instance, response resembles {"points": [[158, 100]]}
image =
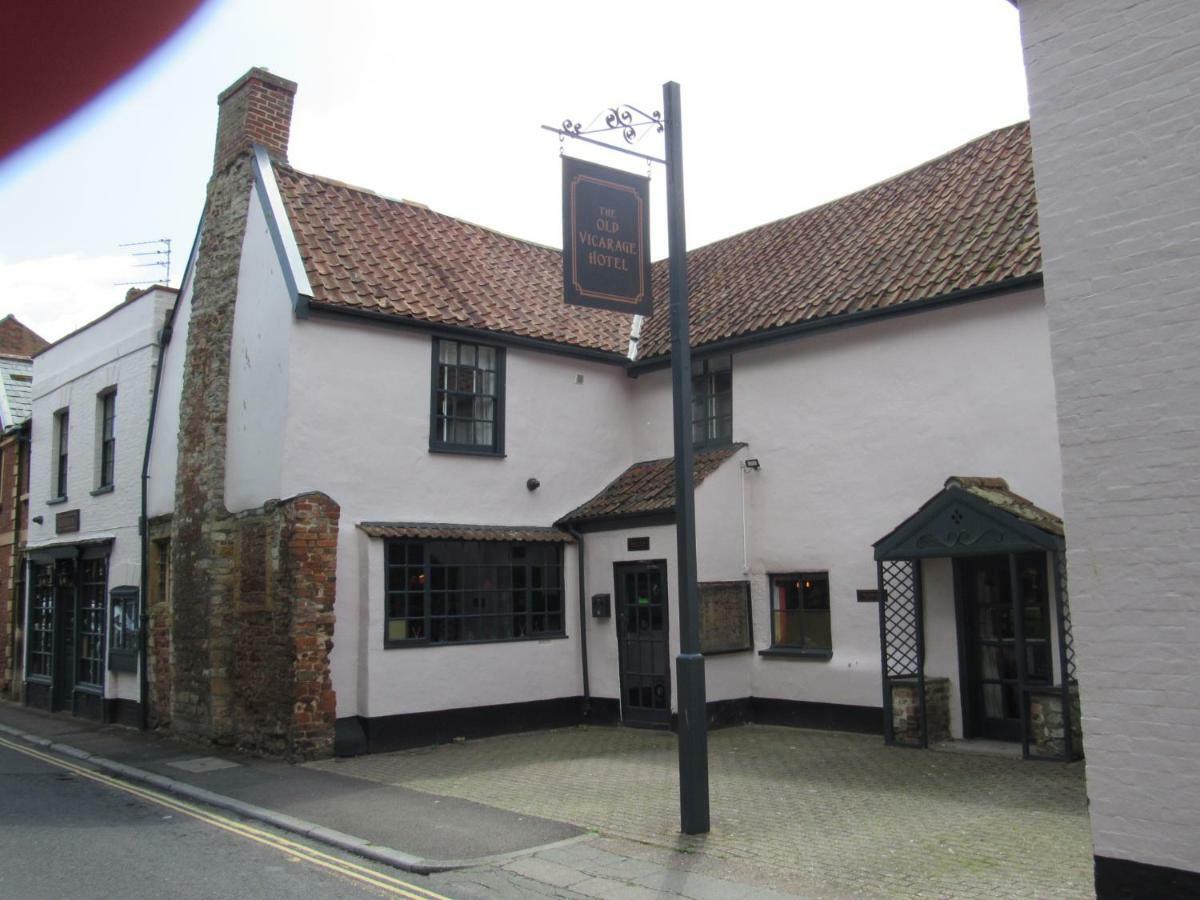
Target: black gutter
{"points": [[164, 339], [481, 334], [835, 322], [583, 655]]}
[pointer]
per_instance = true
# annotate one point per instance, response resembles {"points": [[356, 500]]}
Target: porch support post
{"points": [[919, 618], [889, 735], [1019, 627], [1060, 613]]}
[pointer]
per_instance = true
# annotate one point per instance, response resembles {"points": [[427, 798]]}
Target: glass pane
{"points": [[487, 359], [466, 355], [447, 352]]}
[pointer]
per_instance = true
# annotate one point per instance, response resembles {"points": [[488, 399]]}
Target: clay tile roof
{"points": [[370, 253], [965, 220], [996, 492], [431, 531], [18, 340], [647, 487]]}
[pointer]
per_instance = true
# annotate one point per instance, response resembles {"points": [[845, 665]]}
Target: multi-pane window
{"points": [[800, 612], [107, 420], [712, 401], [93, 582], [446, 592], [123, 629], [41, 623], [468, 397], [62, 430]]}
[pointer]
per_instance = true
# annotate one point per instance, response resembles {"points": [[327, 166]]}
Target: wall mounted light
{"points": [[752, 464], [533, 484], [38, 520]]}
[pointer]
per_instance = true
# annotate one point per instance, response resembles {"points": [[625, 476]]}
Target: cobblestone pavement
{"points": [[824, 814]]}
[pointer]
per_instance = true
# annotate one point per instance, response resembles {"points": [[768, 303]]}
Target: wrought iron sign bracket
{"points": [[630, 122]]}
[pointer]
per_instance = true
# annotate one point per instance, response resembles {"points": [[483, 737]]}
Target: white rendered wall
{"points": [[854, 430], [164, 445], [117, 351], [258, 371], [358, 429], [1113, 89]]}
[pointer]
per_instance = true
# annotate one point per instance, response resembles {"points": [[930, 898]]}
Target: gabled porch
{"points": [[975, 625]]}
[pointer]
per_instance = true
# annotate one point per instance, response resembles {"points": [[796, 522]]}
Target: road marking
{"points": [[288, 847]]}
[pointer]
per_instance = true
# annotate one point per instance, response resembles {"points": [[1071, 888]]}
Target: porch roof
{"points": [[972, 515], [443, 531]]}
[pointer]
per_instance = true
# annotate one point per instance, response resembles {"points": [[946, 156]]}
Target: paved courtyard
{"points": [[825, 813]]}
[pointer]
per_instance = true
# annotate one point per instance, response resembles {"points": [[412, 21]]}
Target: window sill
{"points": [[55, 501], [412, 644], [103, 489], [467, 451], [796, 653]]}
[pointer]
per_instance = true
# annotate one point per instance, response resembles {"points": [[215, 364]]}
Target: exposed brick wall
{"points": [[256, 109], [251, 606], [158, 607], [14, 515], [1113, 87]]}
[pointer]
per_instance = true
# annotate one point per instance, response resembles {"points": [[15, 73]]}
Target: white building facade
{"points": [[91, 397]]}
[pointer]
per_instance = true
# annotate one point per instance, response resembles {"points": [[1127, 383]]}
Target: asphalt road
{"points": [[67, 831]]}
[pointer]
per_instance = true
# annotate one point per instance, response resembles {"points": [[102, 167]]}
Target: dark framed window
{"points": [[93, 583], [467, 414], [107, 420], [712, 401], [457, 592], [123, 629], [41, 623], [62, 433], [800, 613]]}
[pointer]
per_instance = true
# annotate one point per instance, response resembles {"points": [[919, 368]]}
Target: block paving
{"points": [[823, 814]]}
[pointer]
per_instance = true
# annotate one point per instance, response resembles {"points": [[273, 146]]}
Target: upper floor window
{"points": [[106, 422], [467, 413], [712, 401], [62, 430]]}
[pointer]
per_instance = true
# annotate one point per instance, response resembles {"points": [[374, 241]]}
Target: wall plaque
{"points": [[724, 616], [606, 238], [66, 522], [868, 596]]}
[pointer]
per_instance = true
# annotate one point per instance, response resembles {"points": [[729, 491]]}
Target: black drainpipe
{"points": [[164, 338], [587, 693]]}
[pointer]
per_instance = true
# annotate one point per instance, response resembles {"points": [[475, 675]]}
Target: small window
{"points": [[712, 401], [467, 398], [800, 612], [106, 422], [62, 431]]}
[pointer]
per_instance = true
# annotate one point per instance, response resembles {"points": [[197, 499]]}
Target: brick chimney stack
{"points": [[255, 109]]}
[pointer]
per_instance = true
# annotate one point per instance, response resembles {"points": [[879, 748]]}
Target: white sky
{"points": [[785, 105]]}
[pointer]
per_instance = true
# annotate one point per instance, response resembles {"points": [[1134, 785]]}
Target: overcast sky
{"points": [[785, 106]]}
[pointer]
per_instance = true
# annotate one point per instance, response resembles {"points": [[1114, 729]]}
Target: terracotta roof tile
{"points": [[647, 487], [432, 531], [996, 492], [367, 252], [965, 220]]}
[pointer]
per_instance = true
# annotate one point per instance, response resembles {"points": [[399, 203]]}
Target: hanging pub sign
{"points": [[606, 238]]}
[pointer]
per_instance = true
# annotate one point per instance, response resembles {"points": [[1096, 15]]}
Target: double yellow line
{"points": [[342, 867]]}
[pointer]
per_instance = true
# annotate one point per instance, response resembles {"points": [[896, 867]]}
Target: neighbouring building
{"points": [[18, 344], [1113, 100], [398, 492], [83, 551]]}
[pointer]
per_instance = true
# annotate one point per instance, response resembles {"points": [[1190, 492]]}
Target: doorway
{"points": [[989, 645], [644, 657]]}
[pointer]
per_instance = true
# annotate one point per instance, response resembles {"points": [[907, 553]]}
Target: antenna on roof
{"points": [[162, 261]]}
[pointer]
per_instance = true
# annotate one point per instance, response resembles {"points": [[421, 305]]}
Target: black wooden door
{"points": [[64, 634], [994, 690], [641, 590]]}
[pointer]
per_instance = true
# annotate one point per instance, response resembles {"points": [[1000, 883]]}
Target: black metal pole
{"points": [[689, 665]]}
